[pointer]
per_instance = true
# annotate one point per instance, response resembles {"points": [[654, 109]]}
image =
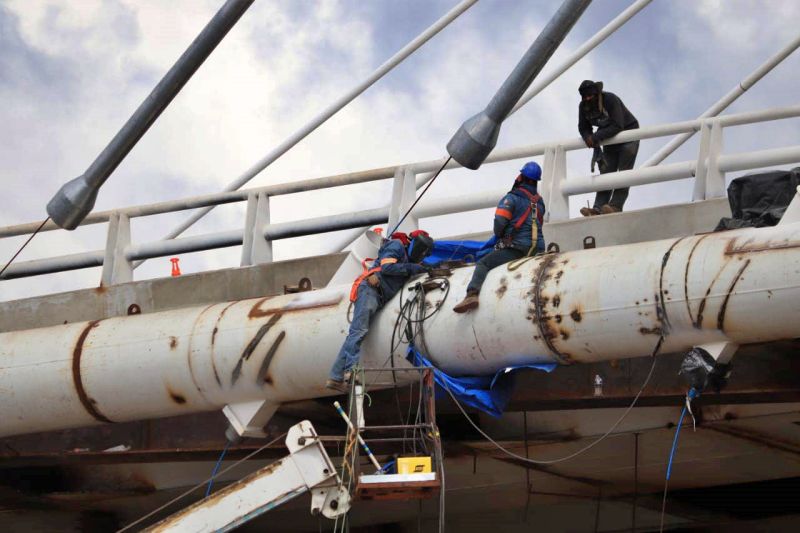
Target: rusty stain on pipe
{"points": [[661, 304], [88, 402], [264, 370], [686, 275], [724, 306], [250, 348], [546, 330]]}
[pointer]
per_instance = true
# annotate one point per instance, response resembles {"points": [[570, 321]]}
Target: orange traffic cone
{"points": [[176, 270]]}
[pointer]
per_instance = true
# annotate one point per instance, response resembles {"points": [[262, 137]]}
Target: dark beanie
{"points": [[590, 87]]}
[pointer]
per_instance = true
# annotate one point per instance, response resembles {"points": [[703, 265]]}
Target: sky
{"points": [[72, 72]]}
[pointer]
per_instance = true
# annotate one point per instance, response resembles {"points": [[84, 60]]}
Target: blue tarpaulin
{"points": [[469, 251], [487, 393]]}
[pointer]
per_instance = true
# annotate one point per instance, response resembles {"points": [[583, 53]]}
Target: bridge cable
{"points": [[24, 245], [428, 186]]}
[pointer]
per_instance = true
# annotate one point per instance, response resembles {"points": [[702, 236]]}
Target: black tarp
{"points": [[759, 200]]}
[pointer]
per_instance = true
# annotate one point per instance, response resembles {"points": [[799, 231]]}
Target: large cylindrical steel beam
{"points": [[76, 198], [616, 302], [475, 139]]}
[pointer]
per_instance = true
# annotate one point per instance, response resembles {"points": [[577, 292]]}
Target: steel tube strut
{"points": [[476, 138], [328, 112], [76, 198], [740, 286]]}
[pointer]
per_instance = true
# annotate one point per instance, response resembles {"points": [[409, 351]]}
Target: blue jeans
{"points": [[367, 304]]}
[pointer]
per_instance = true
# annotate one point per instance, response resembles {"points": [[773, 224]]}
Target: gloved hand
{"points": [[373, 280], [599, 158], [589, 140]]}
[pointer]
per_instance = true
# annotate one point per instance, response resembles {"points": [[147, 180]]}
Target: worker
{"points": [[399, 258], [518, 227], [608, 114]]}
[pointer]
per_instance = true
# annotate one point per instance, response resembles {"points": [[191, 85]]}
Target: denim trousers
{"points": [[489, 261], [368, 301]]}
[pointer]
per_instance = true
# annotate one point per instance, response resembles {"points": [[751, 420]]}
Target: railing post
{"points": [[116, 267], [555, 172], [701, 168], [715, 178], [255, 248], [404, 192]]}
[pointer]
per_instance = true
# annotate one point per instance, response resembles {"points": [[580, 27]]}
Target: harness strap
{"points": [[367, 273]]}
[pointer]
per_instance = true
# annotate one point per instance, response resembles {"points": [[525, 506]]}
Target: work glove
{"points": [[373, 280], [599, 159]]}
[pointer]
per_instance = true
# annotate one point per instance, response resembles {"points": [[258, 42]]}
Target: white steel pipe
{"points": [[720, 105], [331, 110], [616, 302], [578, 54]]}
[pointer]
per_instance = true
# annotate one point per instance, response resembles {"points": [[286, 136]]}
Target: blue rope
{"points": [[216, 469]]}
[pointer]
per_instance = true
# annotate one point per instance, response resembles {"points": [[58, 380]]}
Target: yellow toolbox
{"points": [[413, 465]]}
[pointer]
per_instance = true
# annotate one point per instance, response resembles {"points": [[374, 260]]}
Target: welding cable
{"points": [[203, 483], [691, 395], [572, 455], [216, 468], [428, 186], [23, 246]]}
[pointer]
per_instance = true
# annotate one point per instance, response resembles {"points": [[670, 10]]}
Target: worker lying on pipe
{"points": [[608, 114], [518, 227], [398, 259]]}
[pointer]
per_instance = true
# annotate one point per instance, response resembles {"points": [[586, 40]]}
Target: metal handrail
{"points": [[289, 229]]}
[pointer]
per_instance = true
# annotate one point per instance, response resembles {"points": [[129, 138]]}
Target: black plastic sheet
{"points": [[759, 200]]}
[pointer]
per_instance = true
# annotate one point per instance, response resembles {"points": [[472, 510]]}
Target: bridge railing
{"points": [[119, 256]]}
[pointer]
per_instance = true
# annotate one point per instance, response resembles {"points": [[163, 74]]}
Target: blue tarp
{"points": [[469, 251], [487, 393]]}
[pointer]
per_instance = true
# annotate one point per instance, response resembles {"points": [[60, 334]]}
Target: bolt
{"points": [[301, 441], [334, 504], [326, 471], [598, 385]]}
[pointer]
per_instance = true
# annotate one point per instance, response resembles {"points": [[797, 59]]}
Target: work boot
{"points": [[467, 304], [589, 211], [608, 209], [336, 385]]}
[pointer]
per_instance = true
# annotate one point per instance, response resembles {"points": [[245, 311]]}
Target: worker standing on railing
{"points": [[608, 114], [518, 223], [398, 259]]}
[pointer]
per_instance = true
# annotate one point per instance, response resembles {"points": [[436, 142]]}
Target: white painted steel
{"points": [[720, 105], [332, 109], [307, 466], [739, 286]]}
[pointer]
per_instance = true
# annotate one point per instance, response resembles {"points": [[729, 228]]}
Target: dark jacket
{"points": [[393, 275], [509, 211], [608, 114]]}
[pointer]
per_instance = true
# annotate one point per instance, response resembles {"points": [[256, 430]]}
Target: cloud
{"points": [[73, 72]]}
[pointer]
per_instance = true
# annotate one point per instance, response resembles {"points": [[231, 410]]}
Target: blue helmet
{"points": [[532, 171]]}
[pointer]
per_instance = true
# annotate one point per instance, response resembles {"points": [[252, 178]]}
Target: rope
{"points": [[200, 485], [23, 246]]}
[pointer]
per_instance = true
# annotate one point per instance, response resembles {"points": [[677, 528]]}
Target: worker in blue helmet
{"points": [[518, 223]]}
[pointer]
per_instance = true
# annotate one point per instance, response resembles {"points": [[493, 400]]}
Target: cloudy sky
{"points": [[72, 72]]}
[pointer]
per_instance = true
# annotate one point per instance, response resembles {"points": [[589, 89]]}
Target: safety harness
{"points": [[367, 273], [537, 217]]}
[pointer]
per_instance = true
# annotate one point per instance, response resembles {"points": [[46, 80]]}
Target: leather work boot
{"points": [[336, 385], [608, 209], [467, 304], [589, 211]]}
